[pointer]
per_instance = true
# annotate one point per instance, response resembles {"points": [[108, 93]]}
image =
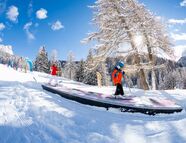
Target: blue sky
{"points": [[61, 24]]}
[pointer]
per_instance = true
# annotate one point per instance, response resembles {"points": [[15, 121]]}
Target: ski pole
{"points": [[127, 84], [34, 77]]}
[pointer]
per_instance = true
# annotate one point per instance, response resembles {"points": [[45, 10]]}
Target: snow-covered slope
{"points": [[30, 114]]}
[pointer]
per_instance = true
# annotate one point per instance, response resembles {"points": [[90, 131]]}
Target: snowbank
{"points": [[30, 114]]}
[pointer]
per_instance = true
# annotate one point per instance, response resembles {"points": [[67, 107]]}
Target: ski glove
{"points": [[123, 72]]}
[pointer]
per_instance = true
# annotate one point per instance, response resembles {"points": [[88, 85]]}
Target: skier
{"points": [[117, 76], [53, 70]]}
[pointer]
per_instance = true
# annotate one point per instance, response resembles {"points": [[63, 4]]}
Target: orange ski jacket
{"points": [[117, 76]]}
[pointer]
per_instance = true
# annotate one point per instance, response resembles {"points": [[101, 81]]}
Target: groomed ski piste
{"points": [[31, 114], [145, 104]]}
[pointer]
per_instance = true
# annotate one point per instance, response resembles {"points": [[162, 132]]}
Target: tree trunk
{"points": [[99, 78], [70, 74], [143, 82], [151, 60], [153, 78]]}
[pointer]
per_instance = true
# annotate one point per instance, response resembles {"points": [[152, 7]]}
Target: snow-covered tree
{"points": [[90, 77], [154, 37], [53, 58], [103, 70], [70, 67], [90, 70], [113, 20], [124, 21], [59, 67], [41, 63], [174, 79], [170, 81], [79, 73]]}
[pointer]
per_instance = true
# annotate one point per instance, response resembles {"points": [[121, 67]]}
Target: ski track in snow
{"points": [[28, 114]]}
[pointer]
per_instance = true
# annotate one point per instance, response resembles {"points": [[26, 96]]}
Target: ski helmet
{"points": [[120, 65]]}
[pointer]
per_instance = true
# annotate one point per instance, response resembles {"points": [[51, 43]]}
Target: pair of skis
{"points": [[118, 96]]}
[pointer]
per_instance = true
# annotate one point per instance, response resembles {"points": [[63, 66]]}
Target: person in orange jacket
{"points": [[117, 75]]}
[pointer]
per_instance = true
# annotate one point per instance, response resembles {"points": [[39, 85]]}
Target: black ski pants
{"points": [[119, 89]]}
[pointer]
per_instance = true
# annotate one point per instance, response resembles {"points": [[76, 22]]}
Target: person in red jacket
{"points": [[117, 76], [53, 80], [53, 69]]}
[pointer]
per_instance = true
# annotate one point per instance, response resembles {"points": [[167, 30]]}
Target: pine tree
{"points": [[70, 67], [53, 57], [90, 70], [79, 73], [170, 81], [59, 67], [41, 63], [54, 60], [90, 77]]}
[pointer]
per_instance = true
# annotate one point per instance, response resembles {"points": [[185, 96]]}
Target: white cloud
{"points": [[179, 37], [41, 14], [177, 21], [57, 25], [183, 3], [27, 30], [27, 25], [1, 40], [2, 26], [12, 13]]}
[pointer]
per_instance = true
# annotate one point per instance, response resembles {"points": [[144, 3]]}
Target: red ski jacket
{"points": [[53, 70]]}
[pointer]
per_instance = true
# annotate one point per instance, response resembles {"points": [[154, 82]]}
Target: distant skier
{"points": [[117, 76], [53, 69]]}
